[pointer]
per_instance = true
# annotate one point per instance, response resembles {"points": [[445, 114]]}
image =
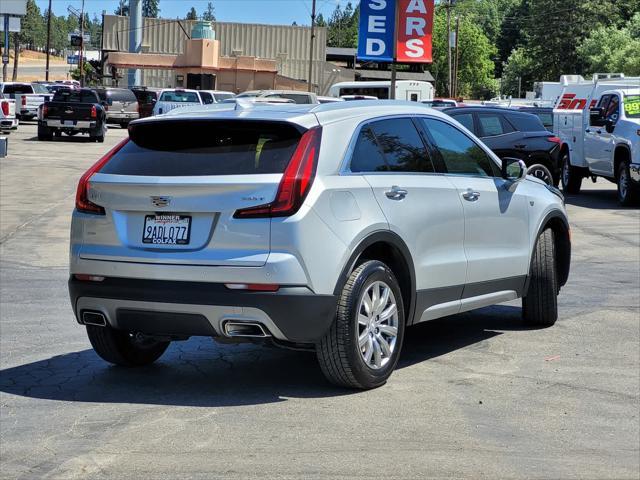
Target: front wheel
{"points": [[571, 176], [627, 192], [123, 348], [541, 172], [540, 304], [362, 347]]}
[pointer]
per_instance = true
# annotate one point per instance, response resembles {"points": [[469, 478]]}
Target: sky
{"points": [[283, 12]]}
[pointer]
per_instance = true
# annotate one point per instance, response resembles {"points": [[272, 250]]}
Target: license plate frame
{"points": [[69, 123], [170, 221]]}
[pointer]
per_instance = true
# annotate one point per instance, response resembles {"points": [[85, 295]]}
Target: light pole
{"points": [[313, 24]]}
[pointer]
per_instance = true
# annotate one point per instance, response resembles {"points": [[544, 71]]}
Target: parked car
{"points": [[329, 228], [171, 98], [514, 134], [120, 104], [545, 114], [349, 98], [147, 98], [28, 97], [73, 111], [329, 99], [440, 103], [8, 120], [298, 97]]}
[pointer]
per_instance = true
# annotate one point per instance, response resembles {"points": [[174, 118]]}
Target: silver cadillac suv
{"points": [[327, 227]]}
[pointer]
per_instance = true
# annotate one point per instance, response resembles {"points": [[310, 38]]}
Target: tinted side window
{"points": [[460, 154], [525, 122], [613, 109], [492, 124], [207, 98], [17, 88], [367, 156], [465, 119], [401, 145]]}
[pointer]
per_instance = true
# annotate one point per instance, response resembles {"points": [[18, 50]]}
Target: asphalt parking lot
{"points": [[476, 395]]}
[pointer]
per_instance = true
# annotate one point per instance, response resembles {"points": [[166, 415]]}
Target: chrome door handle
{"points": [[396, 193], [471, 195]]}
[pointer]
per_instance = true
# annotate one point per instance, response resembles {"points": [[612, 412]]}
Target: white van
{"points": [[412, 90]]}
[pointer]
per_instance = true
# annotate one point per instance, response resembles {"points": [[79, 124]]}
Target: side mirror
{"points": [[609, 125], [596, 116], [513, 169]]}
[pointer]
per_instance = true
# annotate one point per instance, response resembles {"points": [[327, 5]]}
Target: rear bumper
{"points": [[294, 314], [9, 122], [119, 117], [78, 124]]}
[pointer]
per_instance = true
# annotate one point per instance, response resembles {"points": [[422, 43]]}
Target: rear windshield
{"points": [[75, 96], [179, 97], [525, 122], [195, 148], [38, 88], [17, 88], [121, 95], [222, 96]]}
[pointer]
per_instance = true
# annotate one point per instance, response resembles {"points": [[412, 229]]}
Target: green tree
{"points": [[33, 29], [122, 8], [320, 21], [613, 49], [192, 14], [150, 8], [342, 27], [476, 67], [517, 72], [209, 13]]}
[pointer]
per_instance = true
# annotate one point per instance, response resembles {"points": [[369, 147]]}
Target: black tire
{"points": [[45, 134], [100, 138], [570, 176], [340, 357], [121, 348], [628, 192], [540, 304], [541, 172]]}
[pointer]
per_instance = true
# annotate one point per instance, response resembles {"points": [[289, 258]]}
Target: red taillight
{"points": [[5, 108], [94, 111], [554, 140], [82, 193], [88, 278], [253, 287], [24, 101], [296, 180], [45, 110]]}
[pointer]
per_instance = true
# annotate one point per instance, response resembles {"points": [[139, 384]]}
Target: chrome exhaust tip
{"points": [[233, 328], [94, 318]]}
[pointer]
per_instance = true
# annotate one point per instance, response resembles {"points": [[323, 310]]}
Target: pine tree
{"points": [[122, 8], [209, 13], [192, 14], [150, 8]]}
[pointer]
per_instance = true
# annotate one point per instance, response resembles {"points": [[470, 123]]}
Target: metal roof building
{"points": [[288, 45]]}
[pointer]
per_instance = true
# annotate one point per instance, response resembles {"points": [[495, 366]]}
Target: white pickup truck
{"points": [[8, 118], [28, 97], [602, 141]]}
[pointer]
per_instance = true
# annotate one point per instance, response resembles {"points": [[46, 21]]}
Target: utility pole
{"points": [[16, 54], [313, 24], [449, 42], [519, 87], [456, 61], [5, 51], [81, 56], [46, 69]]}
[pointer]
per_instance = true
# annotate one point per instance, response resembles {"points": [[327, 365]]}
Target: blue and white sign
{"points": [[73, 59], [376, 32]]}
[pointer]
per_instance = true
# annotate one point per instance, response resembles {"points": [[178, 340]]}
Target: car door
{"points": [[500, 136], [421, 206], [603, 156], [594, 143], [496, 238]]}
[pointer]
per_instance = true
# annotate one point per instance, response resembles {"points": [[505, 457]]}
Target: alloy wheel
{"points": [[377, 325]]}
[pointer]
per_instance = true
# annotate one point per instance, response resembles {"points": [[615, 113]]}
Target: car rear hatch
{"points": [[170, 193]]}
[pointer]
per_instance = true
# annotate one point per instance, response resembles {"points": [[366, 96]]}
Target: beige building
{"points": [[241, 57]]}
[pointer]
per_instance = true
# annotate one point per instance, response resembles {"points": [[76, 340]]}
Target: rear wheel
{"points": [[541, 172], [362, 347], [123, 348], [627, 192], [540, 305], [571, 176]]}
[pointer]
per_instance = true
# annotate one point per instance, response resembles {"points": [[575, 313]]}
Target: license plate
{"points": [[166, 229], [70, 123]]}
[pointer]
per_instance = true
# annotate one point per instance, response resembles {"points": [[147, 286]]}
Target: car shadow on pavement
{"points": [[596, 199], [202, 373]]}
